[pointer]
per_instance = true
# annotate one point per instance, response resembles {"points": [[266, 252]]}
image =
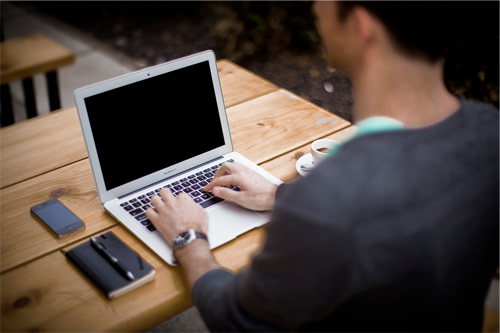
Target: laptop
{"points": [[163, 127]]}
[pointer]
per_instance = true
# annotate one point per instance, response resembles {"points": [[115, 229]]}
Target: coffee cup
{"points": [[320, 149]]}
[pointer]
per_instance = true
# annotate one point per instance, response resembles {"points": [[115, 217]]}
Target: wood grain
{"points": [[50, 294], [38, 145], [23, 238], [239, 85], [276, 123], [34, 54]]}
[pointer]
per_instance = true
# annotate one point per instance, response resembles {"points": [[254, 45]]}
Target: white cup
{"points": [[320, 149]]}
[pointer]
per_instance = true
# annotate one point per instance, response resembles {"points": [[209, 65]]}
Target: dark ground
{"points": [[276, 40]]}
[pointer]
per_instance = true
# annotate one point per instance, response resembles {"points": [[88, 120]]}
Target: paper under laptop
{"points": [[152, 129]]}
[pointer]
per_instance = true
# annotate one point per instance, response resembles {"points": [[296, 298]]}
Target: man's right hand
{"points": [[256, 192]]}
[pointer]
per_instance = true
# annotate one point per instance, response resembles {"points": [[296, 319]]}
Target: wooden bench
{"points": [[23, 58]]}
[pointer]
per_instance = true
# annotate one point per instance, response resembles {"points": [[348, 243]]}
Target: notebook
{"points": [[103, 274], [163, 126]]}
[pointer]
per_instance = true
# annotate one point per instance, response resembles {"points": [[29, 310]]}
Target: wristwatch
{"points": [[187, 237]]}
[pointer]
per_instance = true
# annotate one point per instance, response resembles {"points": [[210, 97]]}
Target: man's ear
{"points": [[367, 26]]}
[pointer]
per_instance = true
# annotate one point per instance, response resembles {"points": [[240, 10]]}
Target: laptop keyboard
{"points": [[192, 184]]}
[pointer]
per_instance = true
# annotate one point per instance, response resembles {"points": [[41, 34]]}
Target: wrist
{"points": [[194, 251]]}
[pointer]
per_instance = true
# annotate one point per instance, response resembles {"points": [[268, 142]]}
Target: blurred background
{"points": [[276, 40]]}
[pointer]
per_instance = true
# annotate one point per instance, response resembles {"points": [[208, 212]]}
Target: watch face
{"points": [[182, 239]]}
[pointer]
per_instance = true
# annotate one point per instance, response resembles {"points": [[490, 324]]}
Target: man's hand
{"points": [[175, 215], [257, 193]]}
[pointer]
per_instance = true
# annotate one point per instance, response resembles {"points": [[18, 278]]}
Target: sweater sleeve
{"points": [[215, 296], [281, 290]]}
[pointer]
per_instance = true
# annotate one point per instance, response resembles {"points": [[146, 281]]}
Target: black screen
{"points": [[149, 125]]}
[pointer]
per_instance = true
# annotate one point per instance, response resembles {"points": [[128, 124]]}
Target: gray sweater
{"points": [[399, 231]]}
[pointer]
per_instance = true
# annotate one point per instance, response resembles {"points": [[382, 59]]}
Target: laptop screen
{"points": [[146, 126]]}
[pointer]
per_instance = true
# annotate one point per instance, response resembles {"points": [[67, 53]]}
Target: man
{"points": [[397, 231]]}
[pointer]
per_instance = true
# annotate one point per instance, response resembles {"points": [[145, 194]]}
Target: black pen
{"points": [[112, 260]]}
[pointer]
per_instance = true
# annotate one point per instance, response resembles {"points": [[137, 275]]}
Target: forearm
{"points": [[196, 259]]}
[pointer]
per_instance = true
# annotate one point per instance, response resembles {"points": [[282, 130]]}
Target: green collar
{"points": [[372, 125]]}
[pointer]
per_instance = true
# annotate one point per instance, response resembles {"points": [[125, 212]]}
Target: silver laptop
{"points": [[178, 107]]}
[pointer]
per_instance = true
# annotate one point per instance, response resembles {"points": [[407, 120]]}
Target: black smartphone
{"points": [[57, 217]]}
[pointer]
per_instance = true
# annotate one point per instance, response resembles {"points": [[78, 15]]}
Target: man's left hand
{"points": [[174, 215]]}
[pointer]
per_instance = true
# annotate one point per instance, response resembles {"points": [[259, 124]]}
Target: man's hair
{"points": [[419, 28]]}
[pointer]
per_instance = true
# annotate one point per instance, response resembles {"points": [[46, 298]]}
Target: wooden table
{"points": [[46, 157]]}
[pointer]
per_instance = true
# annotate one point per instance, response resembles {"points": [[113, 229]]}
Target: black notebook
{"points": [[106, 276]]}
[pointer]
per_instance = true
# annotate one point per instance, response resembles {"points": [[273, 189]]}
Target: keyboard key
{"points": [[151, 227], [195, 194], [136, 212], [137, 204], [187, 190], [124, 204], [211, 202], [141, 197], [150, 193], [140, 217], [128, 208]]}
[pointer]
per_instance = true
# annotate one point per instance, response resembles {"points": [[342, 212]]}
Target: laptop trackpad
{"points": [[227, 221]]}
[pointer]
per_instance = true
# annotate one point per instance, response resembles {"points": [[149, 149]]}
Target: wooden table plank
{"points": [[23, 238], [34, 54], [50, 294], [48, 142], [239, 85], [283, 166], [271, 125], [38, 145]]}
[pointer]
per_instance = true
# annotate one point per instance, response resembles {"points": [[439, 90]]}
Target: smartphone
{"points": [[57, 217]]}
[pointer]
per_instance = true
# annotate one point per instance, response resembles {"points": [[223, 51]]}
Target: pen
{"points": [[112, 260]]}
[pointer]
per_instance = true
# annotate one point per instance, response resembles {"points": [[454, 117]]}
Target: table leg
{"points": [[7, 114], [53, 88], [29, 97]]}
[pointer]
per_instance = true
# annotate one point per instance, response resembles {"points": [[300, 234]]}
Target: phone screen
{"points": [[57, 217]]}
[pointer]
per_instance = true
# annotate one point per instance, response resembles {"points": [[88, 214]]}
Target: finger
{"points": [[151, 214], [165, 192], [221, 181], [167, 196], [225, 169], [226, 193], [157, 203]]}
